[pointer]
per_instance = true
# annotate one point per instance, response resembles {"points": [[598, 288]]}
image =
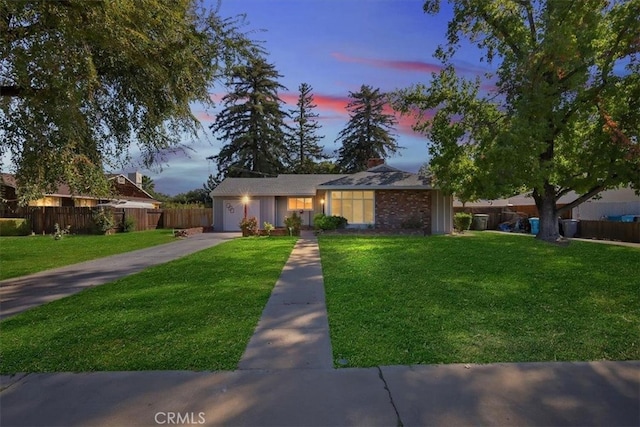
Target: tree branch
{"points": [[589, 194], [532, 24], [502, 32], [11, 91]]}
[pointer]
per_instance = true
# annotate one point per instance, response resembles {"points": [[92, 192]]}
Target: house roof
{"points": [[619, 195], [282, 185], [125, 188], [377, 178], [382, 177]]}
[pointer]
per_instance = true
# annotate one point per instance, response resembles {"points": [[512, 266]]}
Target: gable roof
{"points": [[282, 185], [382, 177], [125, 187]]}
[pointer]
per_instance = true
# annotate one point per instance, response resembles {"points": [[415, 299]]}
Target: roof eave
{"points": [[375, 187]]}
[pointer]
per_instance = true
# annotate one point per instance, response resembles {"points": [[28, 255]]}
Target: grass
{"points": [[480, 298], [195, 313], [25, 255]]}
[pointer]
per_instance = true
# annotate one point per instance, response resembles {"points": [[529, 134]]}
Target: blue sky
{"points": [[335, 46]]}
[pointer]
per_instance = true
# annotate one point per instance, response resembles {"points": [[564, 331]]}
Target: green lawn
{"points": [[25, 255], [479, 298], [195, 313]]}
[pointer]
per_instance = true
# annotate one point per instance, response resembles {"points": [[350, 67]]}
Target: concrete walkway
{"points": [[22, 293], [285, 378], [293, 332]]}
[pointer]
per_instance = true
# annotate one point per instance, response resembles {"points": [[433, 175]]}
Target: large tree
{"points": [[305, 150], [369, 132], [83, 81], [565, 113], [252, 123]]}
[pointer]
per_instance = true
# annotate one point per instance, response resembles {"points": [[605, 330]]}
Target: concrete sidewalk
{"points": [[526, 394], [285, 378], [22, 293]]}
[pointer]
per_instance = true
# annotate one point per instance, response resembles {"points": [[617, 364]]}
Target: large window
{"points": [[356, 206], [300, 203]]}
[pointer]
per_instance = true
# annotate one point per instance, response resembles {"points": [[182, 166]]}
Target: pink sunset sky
{"points": [[335, 46]]}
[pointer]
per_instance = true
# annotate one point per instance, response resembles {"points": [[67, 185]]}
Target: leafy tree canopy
{"points": [[368, 134], [565, 113], [83, 81]]}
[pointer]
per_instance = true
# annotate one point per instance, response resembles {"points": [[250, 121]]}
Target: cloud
{"points": [[414, 66], [216, 97], [203, 116], [336, 104], [410, 66]]}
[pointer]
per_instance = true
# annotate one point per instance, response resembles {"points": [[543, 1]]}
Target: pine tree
{"points": [[252, 123], [368, 133], [304, 138]]}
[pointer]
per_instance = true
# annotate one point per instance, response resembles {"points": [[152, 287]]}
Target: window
{"points": [[356, 206], [300, 203]]}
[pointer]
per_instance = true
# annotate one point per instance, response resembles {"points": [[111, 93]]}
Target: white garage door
{"points": [[234, 212]]}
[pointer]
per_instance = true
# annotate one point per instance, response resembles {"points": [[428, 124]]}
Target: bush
{"points": [[249, 226], [129, 224], [323, 222], [268, 228], [59, 232], [293, 223], [462, 221], [14, 227], [103, 220]]}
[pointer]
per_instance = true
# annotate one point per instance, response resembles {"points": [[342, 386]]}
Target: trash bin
{"points": [[480, 222], [570, 227], [535, 225]]}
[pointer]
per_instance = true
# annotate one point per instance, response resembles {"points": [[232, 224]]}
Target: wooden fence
{"points": [[610, 230], [43, 219], [186, 218]]}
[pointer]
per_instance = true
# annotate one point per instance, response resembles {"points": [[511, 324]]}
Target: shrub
{"points": [[249, 226], [103, 220], [268, 228], [317, 220], [129, 224], [293, 223], [323, 222], [14, 227], [462, 221], [58, 232]]}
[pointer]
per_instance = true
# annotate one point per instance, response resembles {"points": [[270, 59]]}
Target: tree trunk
{"points": [[546, 203]]}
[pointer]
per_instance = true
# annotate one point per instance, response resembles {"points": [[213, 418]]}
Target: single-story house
{"points": [[126, 189], [380, 197], [615, 202]]}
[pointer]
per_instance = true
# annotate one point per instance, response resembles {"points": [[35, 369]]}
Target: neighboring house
{"points": [[127, 189], [609, 203], [381, 197]]}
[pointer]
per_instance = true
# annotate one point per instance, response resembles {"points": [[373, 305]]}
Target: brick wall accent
{"points": [[396, 209]]}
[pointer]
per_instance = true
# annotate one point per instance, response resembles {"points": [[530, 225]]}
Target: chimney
{"points": [[371, 163], [136, 178]]}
